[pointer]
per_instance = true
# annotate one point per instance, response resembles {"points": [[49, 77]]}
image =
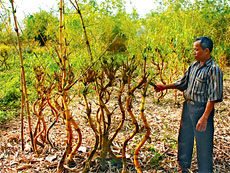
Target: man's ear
{"points": [[207, 50]]}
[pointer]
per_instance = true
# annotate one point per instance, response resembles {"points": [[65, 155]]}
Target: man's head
{"points": [[202, 48], [205, 42]]}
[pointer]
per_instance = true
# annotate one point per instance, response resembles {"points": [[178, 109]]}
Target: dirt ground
{"points": [[157, 155]]}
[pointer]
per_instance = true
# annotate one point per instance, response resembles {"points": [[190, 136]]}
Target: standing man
{"points": [[202, 84]]}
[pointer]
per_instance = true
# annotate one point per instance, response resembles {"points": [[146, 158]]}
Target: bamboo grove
{"points": [[110, 70]]}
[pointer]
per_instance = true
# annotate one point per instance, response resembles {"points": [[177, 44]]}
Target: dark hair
{"points": [[205, 42]]}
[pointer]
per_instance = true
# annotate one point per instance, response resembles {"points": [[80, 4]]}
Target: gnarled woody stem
{"points": [[129, 108], [143, 117]]}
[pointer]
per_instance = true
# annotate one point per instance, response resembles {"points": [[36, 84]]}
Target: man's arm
{"points": [[159, 88], [170, 86], [202, 123], [215, 93]]}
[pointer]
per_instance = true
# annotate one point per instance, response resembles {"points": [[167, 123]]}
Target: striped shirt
{"points": [[202, 83]]}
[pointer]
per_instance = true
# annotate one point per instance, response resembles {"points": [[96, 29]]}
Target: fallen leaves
{"points": [[158, 155], [82, 149], [24, 167], [51, 158]]}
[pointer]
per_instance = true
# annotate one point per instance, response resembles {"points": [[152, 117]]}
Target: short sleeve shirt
{"points": [[202, 83]]}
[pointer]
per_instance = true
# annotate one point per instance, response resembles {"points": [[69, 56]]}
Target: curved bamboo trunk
{"points": [[128, 105], [122, 112], [93, 152], [66, 109], [129, 109], [72, 154], [56, 114], [65, 83], [143, 117]]}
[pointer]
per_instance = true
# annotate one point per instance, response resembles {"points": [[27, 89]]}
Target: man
{"points": [[202, 84]]}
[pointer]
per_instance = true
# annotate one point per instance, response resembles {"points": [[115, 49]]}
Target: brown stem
{"points": [[22, 116], [35, 139], [44, 129], [84, 28], [23, 73], [143, 117], [64, 94], [68, 125], [104, 150], [98, 122], [129, 109], [102, 115], [35, 134], [56, 114], [122, 112], [72, 154], [92, 153], [108, 113]]}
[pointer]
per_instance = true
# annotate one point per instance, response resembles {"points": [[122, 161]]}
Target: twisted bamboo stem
{"points": [[143, 117], [122, 112]]}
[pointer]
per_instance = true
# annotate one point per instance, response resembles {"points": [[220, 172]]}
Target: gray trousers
{"points": [[192, 111]]}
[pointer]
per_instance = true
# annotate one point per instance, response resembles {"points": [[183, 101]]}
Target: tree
{"points": [[41, 27]]}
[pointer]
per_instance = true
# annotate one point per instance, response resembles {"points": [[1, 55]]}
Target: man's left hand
{"points": [[201, 125], [159, 88]]}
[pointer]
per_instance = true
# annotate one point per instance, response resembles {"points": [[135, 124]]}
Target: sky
{"points": [[25, 7]]}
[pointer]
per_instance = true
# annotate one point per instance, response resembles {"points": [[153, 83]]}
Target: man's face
{"points": [[198, 52]]}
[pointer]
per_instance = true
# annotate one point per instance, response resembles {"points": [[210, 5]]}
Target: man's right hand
{"points": [[159, 88]]}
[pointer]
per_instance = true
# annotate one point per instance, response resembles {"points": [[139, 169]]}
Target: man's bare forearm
{"points": [[202, 123], [170, 86], [208, 109]]}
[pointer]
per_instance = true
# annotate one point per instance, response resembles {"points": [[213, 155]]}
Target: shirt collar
{"points": [[208, 62]]}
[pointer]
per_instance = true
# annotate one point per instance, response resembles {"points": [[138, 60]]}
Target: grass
{"points": [[6, 115]]}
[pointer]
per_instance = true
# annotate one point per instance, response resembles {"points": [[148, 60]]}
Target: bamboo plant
{"points": [[64, 83], [24, 95]]}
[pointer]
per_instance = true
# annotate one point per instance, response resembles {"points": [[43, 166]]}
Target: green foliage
{"points": [[10, 92], [4, 53], [3, 116], [4, 50], [155, 158], [6, 115], [119, 42], [41, 27], [171, 31], [111, 32], [164, 37], [6, 33]]}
